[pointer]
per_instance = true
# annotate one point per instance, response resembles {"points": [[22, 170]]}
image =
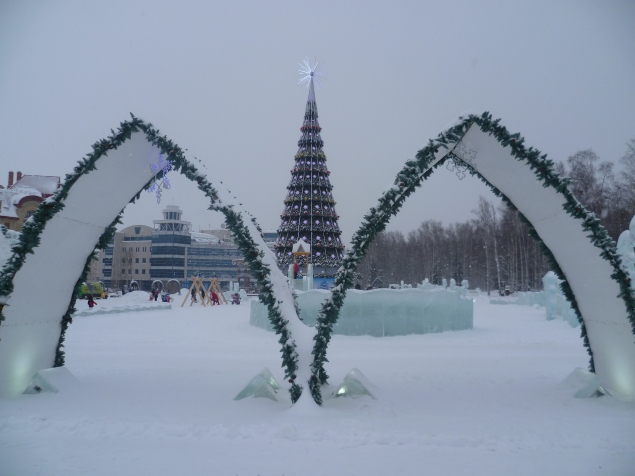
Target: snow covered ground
{"points": [[130, 302], [155, 396]]}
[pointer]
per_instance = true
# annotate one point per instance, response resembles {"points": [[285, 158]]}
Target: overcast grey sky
{"points": [[220, 79]]}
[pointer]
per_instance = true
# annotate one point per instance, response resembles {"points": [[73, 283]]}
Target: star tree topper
{"points": [[310, 70]]}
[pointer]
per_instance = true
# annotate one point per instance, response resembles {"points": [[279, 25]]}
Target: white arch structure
{"points": [[61, 239], [580, 250], [65, 231], [584, 265]]}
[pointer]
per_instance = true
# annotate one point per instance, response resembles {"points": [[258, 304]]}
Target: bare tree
{"points": [[488, 221], [627, 176]]}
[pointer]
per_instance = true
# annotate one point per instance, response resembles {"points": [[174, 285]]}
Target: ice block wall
{"points": [[555, 302], [385, 312]]}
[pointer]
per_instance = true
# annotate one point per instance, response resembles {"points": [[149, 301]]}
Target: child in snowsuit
{"points": [[91, 301], [215, 299]]}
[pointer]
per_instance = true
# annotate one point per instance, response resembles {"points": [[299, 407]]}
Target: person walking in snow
{"points": [[296, 269], [215, 299], [91, 301]]}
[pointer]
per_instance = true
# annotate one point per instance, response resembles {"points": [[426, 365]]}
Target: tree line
{"points": [[493, 250]]}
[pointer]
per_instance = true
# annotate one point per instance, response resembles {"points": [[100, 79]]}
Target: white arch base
{"points": [[29, 335], [589, 275]]}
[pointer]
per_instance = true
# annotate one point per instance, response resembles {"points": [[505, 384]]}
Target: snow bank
{"points": [[156, 398], [132, 302]]}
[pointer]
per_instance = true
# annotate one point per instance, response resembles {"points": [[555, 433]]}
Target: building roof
{"points": [[46, 185], [39, 186], [204, 238]]}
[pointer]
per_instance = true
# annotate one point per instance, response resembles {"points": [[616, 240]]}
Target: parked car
{"points": [[94, 289]]}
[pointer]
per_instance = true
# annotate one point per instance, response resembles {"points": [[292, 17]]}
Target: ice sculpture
{"points": [[355, 385], [51, 381], [427, 285], [583, 384], [263, 385], [626, 250], [385, 312], [555, 302]]}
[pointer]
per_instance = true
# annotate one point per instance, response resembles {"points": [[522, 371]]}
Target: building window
{"points": [[123, 249], [136, 260], [143, 271], [129, 271], [143, 260], [136, 271], [144, 250], [130, 249], [129, 260], [137, 249], [123, 260], [137, 230]]}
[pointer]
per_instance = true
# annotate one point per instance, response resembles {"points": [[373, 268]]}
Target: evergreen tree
{"points": [[309, 209]]}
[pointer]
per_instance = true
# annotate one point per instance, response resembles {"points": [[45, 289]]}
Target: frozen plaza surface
{"points": [[156, 388], [385, 312]]}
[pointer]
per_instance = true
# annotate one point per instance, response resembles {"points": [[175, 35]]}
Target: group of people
{"points": [[165, 297], [214, 296]]}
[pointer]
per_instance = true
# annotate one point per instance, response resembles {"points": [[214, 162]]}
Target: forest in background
{"points": [[494, 250]]}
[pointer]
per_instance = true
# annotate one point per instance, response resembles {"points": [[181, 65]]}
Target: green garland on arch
{"points": [[411, 177], [29, 238]]}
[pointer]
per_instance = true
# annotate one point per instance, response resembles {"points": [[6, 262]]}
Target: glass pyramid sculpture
{"points": [[51, 381], [355, 385], [263, 385]]}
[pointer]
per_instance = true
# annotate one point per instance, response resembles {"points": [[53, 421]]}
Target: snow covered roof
{"points": [[46, 185], [301, 246], [28, 186], [204, 238], [11, 197]]}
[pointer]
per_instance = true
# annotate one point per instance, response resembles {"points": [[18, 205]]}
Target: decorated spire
{"points": [[309, 208], [311, 90]]}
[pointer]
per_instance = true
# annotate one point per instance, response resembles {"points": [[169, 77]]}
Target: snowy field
{"points": [[155, 397]]}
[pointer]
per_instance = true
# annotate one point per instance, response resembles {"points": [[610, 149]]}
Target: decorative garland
{"points": [[29, 239], [410, 177]]}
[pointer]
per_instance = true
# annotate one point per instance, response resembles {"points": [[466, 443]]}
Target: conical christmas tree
{"points": [[309, 209]]}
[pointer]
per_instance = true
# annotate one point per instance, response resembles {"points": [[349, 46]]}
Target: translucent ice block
{"points": [[355, 385], [385, 312], [263, 385], [556, 304]]}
